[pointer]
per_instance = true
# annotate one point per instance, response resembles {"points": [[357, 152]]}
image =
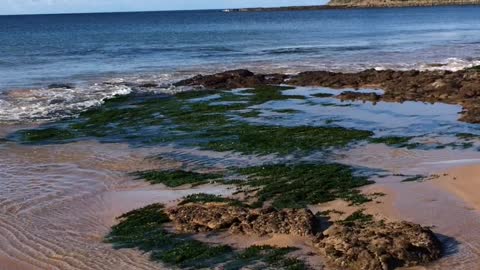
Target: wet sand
{"points": [[464, 182], [57, 202]]}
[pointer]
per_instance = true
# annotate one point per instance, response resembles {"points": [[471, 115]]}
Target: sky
{"points": [[11, 7]]}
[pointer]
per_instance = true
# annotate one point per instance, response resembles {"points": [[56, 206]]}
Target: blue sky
{"points": [[73, 6]]}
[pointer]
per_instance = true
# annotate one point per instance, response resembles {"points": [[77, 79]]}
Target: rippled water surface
{"points": [[39, 50], [58, 202]]}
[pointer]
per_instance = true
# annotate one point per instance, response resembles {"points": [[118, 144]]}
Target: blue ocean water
{"points": [[38, 50], [125, 49]]}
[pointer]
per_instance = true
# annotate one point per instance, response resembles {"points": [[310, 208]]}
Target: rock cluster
{"points": [[461, 87], [357, 245], [194, 218], [379, 245], [232, 79]]}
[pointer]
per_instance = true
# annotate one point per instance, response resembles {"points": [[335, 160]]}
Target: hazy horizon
{"points": [[33, 7]]}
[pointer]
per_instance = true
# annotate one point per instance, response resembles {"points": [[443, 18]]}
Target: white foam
{"points": [[451, 64], [49, 104]]}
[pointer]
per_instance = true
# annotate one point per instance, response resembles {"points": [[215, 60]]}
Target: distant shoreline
{"points": [[334, 7]]}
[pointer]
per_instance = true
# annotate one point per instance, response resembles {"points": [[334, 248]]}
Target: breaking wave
{"points": [[62, 100], [450, 64]]}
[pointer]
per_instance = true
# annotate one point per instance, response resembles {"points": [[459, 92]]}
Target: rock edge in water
{"points": [[459, 88]]}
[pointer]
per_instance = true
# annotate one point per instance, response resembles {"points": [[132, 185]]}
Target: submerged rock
{"points": [[194, 218], [379, 245], [351, 95], [61, 85]]}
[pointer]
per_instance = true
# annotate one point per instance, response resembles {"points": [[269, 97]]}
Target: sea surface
{"points": [[86, 49]]}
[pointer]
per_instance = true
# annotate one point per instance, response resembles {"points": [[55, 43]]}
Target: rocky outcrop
{"points": [[232, 79], [398, 3], [461, 87], [194, 218], [379, 245], [357, 245]]}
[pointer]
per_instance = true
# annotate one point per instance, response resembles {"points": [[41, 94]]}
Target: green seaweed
{"points": [[322, 95], [456, 145], [474, 68], [327, 213], [45, 135], [196, 94], [467, 136], [335, 105], [300, 185], [392, 140], [357, 217], [269, 255], [251, 114], [287, 111], [144, 229], [176, 178], [253, 139], [141, 228], [267, 93], [193, 254], [210, 198], [415, 178]]}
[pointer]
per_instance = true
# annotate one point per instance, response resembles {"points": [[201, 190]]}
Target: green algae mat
{"points": [[211, 120]]}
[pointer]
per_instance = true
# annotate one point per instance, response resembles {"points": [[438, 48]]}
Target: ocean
{"points": [[85, 49]]}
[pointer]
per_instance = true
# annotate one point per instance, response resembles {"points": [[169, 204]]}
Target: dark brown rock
{"points": [[232, 79], [240, 220], [379, 245]]}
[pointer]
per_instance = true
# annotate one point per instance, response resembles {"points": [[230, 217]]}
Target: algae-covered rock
{"points": [[241, 220], [379, 245]]}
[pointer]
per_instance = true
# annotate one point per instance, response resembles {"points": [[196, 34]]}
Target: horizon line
{"points": [[145, 11], [110, 12]]}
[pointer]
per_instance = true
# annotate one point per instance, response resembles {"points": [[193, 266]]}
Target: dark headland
{"points": [[344, 4]]}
